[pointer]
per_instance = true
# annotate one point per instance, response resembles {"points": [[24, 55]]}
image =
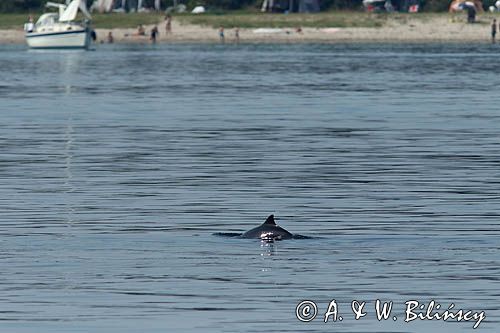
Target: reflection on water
{"points": [[118, 166], [268, 248]]}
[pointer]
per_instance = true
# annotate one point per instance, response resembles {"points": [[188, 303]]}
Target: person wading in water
{"points": [[154, 34], [493, 30]]}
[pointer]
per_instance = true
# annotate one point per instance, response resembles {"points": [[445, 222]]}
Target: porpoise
{"points": [[268, 231]]}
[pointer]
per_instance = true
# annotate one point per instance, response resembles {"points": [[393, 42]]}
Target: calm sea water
{"points": [[117, 166]]}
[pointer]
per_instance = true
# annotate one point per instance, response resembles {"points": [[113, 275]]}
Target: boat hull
{"points": [[75, 39]]}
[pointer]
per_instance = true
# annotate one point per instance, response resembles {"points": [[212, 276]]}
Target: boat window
{"points": [[47, 19]]}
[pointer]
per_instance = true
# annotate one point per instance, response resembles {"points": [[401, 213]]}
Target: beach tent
{"points": [[107, 6], [308, 6], [459, 5], [276, 5], [374, 5], [301, 6], [411, 6], [102, 6]]}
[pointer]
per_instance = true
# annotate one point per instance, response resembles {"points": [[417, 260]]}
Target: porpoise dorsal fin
{"points": [[270, 220]]}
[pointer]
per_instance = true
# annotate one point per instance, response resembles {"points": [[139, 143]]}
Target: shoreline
{"points": [[413, 30]]}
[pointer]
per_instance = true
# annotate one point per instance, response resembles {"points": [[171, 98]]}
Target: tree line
{"points": [[427, 5]]}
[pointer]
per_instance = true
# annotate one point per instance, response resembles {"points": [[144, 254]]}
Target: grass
{"points": [[110, 21], [13, 21], [258, 20], [242, 19], [104, 21]]}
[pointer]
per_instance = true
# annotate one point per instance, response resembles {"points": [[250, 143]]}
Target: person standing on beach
{"points": [[493, 30], [30, 26], [110, 38], [141, 31], [221, 34], [237, 35], [168, 24], [471, 14]]}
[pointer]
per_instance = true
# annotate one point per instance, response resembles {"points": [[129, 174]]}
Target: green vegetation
{"points": [[243, 19], [256, 20], [13, 21], [105, 21], [110, 21], [232, 19], [25, 5], [9, 6], [229, 20]]}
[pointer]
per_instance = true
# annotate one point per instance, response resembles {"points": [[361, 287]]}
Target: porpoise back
{"points": [[268, 231]]}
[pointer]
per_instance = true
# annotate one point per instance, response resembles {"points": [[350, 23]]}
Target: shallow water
{"points": [[119, 164]]}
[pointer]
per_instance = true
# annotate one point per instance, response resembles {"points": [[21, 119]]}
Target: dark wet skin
{"points": [[268, 231]]}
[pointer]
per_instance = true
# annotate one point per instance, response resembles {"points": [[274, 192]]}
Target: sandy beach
{"points": [[400, 30]]}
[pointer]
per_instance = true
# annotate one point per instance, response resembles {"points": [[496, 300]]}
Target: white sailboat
{"points": [[60, 30]]}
